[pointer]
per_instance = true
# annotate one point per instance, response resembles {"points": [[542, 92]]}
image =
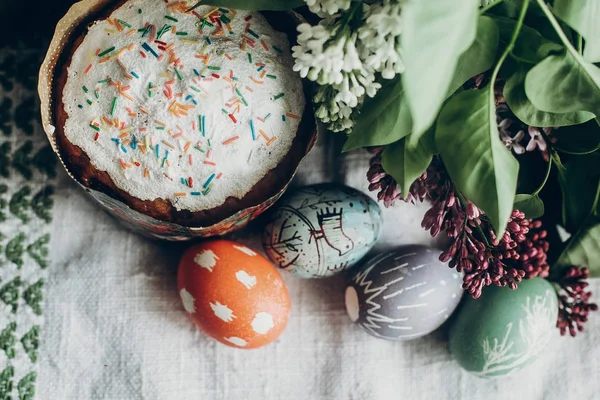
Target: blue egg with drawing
{"points": [[319, 230]]}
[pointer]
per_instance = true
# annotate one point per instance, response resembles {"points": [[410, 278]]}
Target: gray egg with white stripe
{"points": [[403, 294]]}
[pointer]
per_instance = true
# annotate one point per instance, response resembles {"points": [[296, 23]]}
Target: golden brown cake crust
{"points": [[79, 165]]}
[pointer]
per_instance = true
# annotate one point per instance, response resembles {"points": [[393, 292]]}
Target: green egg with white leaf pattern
{"points": [[504, 330]]}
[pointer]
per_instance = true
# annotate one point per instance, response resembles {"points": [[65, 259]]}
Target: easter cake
{"points": [[187, 116]]}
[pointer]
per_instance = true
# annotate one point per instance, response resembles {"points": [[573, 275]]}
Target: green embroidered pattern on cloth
{"points": [[27, 171]]}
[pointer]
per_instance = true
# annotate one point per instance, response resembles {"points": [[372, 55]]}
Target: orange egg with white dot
{"points": [[233, 294]]}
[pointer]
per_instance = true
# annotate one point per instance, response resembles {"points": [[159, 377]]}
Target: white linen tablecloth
{"points": [[111, 326], [115, 329]]}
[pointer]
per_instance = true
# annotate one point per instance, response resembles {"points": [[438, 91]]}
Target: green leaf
{"points": [[583, 249], [564, 83], [480, 56], [578, 181], [584, 17], [531, 47], [405, 164], [477, 160], [435, 34], [519, 104], [531, 205], [383, 119], [253, 5]]}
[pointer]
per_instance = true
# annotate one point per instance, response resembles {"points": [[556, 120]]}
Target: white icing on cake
{"points": [[260, 75]]}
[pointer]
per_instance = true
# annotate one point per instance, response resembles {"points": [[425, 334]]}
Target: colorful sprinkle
{"points": [[163, 30], [230, 140], [124, 23], [114, 106], [178, 74], [208, 181], [105, 52], [147, 47], [252, 130]]}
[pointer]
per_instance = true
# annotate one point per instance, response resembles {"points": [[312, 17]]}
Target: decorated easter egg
{"points": [[233, 294], [403, 294], [504, 330], [320, 230]]}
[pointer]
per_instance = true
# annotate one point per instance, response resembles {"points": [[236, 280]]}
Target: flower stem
{"points": [[576, 153], [510, 46], [594, 211], [561, 34], [539, 189]]}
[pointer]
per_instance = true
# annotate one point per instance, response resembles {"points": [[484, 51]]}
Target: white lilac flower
{"points": [[335, 113], [511, 142], [536, 139], [337, 102], [379, 38], [319, 54], [343, 59], [321, 7]]}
